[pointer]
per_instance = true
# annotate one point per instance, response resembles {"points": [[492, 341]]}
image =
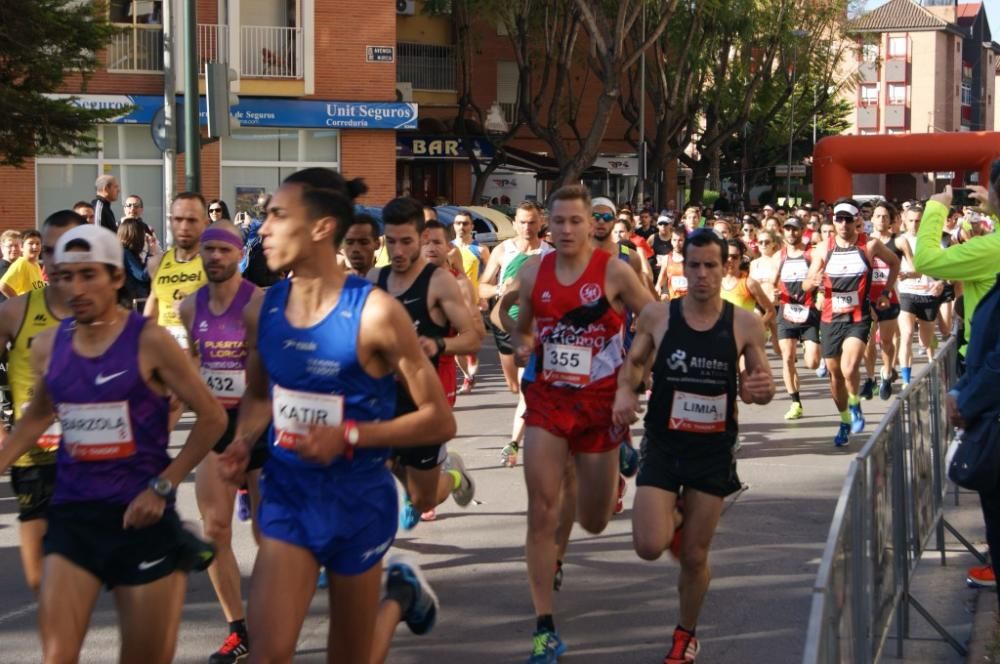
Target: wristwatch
{"points": [[162, 487], [351, 437]]}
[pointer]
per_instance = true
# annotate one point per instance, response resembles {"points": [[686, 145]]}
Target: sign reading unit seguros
{"points": [[258, 112]]}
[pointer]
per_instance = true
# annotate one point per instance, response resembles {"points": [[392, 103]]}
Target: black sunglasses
{"points": [[215, 209], [603, 216]]}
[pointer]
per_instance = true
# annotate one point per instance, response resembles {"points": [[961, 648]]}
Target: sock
{"points": [[796, 398], [402, 593], [905, 373], [456, 478], [545, 622], [239, 626], [558, 564], [685, 630], [845, 417], [853, 400]]}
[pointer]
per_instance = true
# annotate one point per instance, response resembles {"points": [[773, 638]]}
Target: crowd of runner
{"points": [[315, 398]]}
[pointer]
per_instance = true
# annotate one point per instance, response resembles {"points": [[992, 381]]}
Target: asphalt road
{"points": [[613, 607]]}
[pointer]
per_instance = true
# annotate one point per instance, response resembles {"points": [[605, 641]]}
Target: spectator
{"points": [[133, 207], [24, 274], [85, 210], [217, 209], [107, 193], [10, 248], [132, 236]]}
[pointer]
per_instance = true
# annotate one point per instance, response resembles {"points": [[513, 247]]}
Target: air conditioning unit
{"points": [[404, 92]]}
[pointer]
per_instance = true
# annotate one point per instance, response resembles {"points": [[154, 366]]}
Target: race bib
{"points": [[567, 364], [696, 413], [795, 313], [880, 275], [226, 385], [49, 440], [679, 284], [844, 303], [97, 431], [180, 335], [295, 412]]}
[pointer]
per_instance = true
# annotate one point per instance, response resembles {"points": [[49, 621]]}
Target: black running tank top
{"points": [[692, 409]]}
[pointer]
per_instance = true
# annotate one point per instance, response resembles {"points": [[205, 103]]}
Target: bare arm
{"points": [[7, 291], [453, 304], [630, 290], [39, 414], [152, 309], [756, 381], [488, 281], [815, 276], [472, 300], [187, 311], [763, 301]]}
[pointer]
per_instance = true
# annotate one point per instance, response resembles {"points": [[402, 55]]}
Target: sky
{"points": [[992, 14]]}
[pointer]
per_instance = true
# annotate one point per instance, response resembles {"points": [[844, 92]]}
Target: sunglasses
{"points": [[138, 205], [734, 257], [764, 242], [843, 220], [604, 216], [215, 209]]}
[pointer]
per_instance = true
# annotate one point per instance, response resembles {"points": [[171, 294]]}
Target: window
{"points": [[897, 93], [138, 46], [507, 81], [966, 94], [897, 47], [426, 66], [869, 53], [869, 94]]}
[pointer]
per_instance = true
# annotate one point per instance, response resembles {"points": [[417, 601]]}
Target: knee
{"points": [[217, 530], [543, 512], [647, 547], [694, 559], [55, 652], [594, 523], [811, 362]]}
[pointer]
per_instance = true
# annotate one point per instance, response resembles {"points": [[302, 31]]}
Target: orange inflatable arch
{"points": [[837, 158]]}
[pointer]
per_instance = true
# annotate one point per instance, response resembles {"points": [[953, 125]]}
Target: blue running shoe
{"points": [[843, 435], [243, 505], [628, 459], [422, 611], [409, 517], [857, 419], [546, 647], [322, 582]]}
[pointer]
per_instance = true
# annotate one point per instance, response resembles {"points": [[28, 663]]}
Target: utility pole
{"points": [[170, 122], [192, 129], [642, 117]]}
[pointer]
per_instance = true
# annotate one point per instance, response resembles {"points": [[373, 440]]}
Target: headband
{"points": [[221, 235], [845, 207]]}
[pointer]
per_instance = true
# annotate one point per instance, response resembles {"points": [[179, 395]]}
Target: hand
{"points": [[233, 461], [428, 346], [954, 416], [981, 194], [521, 355], [144, 510], [756, 386], [937, 289], [882, 303], [626, 409], [945, 197], [321, 445]]}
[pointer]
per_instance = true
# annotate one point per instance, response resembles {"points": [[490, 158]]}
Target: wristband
{"points": [[351, 437]]}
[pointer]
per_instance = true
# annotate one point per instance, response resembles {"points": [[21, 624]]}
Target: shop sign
{"points": [[442, 147]]}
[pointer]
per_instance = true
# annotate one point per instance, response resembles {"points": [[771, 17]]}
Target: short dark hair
{"points": [[449, 231], [404, 210], [889, 207], [30, 234], [64, 219], [704, 237], [82, 204], [365, 219], [138, 197], [325, 193], [570, 192]]}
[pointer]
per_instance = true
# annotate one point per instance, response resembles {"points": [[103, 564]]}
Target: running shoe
{"points": [[981, 577], [678, 538], [429, 515], [467, 385], [322, 582], [794, 411], [234, 649], [466, 490], [243, 505], [546, 647], [884, 389], [628, 459], [822, 372], [558, 578], [684, 649], [508, 455], [868, 389], [622, 490], [843, 435], [409, 517], [857, 419], [422, 611]]}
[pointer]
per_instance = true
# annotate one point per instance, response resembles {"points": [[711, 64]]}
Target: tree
{"points": [[40, 41]]}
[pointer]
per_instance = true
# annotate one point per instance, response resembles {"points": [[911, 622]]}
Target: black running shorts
{"points": [[33, 486], [832, 335], [260, 449], [889, 313], [714, 475], [924, 307], [424, 457]]}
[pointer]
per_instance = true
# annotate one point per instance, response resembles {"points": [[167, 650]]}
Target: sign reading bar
{"points": [[442, 147], [380, 54]]}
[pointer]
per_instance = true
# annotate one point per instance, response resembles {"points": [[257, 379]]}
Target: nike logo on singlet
{"points": [[101, 379], [411, 300]]}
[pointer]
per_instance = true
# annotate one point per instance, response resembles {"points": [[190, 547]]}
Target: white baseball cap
{"points": [[604, 202], [102, 246]]}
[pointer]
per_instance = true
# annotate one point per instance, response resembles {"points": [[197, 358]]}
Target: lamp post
{"points": [[797, 34]]}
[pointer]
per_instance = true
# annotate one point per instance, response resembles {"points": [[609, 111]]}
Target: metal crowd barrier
{"points": [[890, 508]]}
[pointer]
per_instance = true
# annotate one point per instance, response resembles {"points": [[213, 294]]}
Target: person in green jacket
{"points": [[975, 263]]}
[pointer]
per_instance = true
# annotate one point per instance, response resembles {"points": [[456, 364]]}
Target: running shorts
{"points": [[948, 294], [889, 313], [90, 535], [347, 520], [33, 486], [924, 307], [424, 457], [258, 453], [832, 335], [714, 474], [807, 331], [583, 420], [502, 339]]}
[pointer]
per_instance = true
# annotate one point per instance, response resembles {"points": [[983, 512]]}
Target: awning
{"points": [[544, 167]]}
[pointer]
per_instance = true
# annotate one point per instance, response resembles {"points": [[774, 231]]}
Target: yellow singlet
{"points": [[173, 282], [472, 265], [739, 295], [37, 318]]}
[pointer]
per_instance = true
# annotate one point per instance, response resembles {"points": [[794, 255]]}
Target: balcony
{"points": [[868, 72], [136, 48], [868, 117], [270, 52], [213, 44], [896, 71], [426, 66], [896, 116]]}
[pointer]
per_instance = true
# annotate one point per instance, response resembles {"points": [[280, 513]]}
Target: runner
{"points": [[33, 475], [111, 521], [696, 345], [661, 245], [763, 270], [919, 301], [737, 287], [213, 318], [574, 332], [798, 318], [321, 352], [672, 283], [883, 218], [360, 244], [474, 259], [844, 269]]}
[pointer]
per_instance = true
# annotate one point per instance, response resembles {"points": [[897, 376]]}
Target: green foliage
{"points": [[40, 41]]}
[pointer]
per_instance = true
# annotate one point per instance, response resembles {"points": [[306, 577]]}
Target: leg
{"points": [[149, 616], [253, 488], [544, 456], [353, 607], [66, 600], [598, 472], [509, 372], [812, 354], [906, 324], [652, 521], [870, 355], [789, 349], [838, 386], [517, 426], [888, 331], [773, 326], [990, 503], [31, 534], [215, 502], [281, 588], [850, 363], [701, 517], [567, 509], [925, 332], [427, 488]]}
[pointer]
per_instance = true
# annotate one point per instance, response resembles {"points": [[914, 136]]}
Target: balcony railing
{"points": [[213, 44], [270, 52], [426, 66], [136, 48]]}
